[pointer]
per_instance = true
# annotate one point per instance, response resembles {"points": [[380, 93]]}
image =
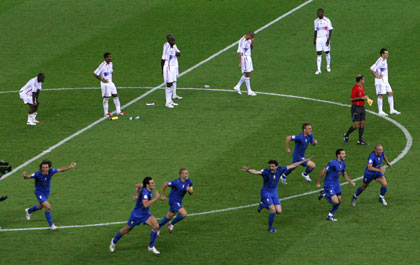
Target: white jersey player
{"points": [[380, 71], [29, 94], [322, 36], [245, 45], [104, 74], [169, 66]]}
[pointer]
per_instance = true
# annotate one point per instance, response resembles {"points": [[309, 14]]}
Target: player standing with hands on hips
{"points": [[322, 37], [245, 45], [29, 94]]}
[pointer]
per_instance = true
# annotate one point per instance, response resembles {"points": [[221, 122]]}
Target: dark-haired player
{"points": [[180, 187], [332, 188], [42, 188], [322, 37], [141, 214], [169, 67], [29, 94], [269, 197], [245, 45]]}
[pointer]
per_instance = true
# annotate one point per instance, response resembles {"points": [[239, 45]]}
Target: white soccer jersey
{"points": [[169, 55], [244, 46], [104, 70], [322, 27], [31, 87], [381, 68]]}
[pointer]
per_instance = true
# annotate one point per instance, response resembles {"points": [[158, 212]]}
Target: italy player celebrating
{"points": [[269, 197], [42, 189], [373, 171], [332, 188], [301, 143], [180, 187], [141, 214]]}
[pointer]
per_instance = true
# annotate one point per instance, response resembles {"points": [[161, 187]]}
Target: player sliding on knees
{"points": [[269, 197], [332, 188], [180, 187], [42, 189], [373, 171], [141, 214], [245, 45], [301, 143]]}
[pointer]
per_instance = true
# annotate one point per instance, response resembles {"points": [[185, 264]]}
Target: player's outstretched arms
{"points": [[25, 175], [72, 165], [252, 171], [346, 176], [164, 186], [147, 203], [288, 139], [298, 163], [321, 175]]}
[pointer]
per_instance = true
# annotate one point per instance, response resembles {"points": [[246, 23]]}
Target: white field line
{"points": [[145, 94], [399, 157]]}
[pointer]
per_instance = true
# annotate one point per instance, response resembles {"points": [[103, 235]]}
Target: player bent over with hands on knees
{"points": [[29, 93]]}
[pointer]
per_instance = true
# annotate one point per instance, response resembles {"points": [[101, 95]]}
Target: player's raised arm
{"points": [[25, 175], [138, 189], [346, 176], [288, 139], [164, 186], [298, 163], [321, 175], [252, 171], [147, 203], [72, 165]]}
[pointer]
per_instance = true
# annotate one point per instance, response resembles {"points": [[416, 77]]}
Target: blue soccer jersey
{"points": [[334, 169], [375, 161], [179, 188], [271, 180], [301, 143], [139, 210], [43, 183]]}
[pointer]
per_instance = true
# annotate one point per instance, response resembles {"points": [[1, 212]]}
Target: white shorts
{"points": [[321, 45], [246, 64], [382, 89], [108, 89], [169, 74], [26, 99]]}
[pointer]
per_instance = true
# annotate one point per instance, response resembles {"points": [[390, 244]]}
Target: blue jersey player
{"points": [[180, 187], [332, 188], [42, 189], [141, 214], [269, 197], [301, 143], [373, 171]]}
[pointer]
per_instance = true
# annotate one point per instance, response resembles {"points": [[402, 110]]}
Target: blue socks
{"points": [[271, 220], [33, 209], [307, 171], [49, 219], [153, 236], [358, 191], [117, 237], [383, 190], [163, 222], [177, 219], [335, 208]]}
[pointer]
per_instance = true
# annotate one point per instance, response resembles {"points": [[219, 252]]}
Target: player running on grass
{"points": [[42, 189], [29, 94], [301, 143], [104, 73], [141, 214], [180, 187], [332, 188], [245, 45], [373, 171], [269, 197]]}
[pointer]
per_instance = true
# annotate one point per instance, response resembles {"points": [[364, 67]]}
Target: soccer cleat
{"points": [[28, 215], [122, 113], [177, 97], [170, 228], [109, 115], [174, 104], [382, 199], [170, 106], [53, 227], [252, 93], [318, 72], [272, 230], [381, 113], [154, 250], [2, 198], [30, 123], [238, 90], [306, 177], [362, 142], [260, 207], [394, 112], [345, 138], [328, 68], [321, 194], [353, 201], [283, 179], [331, 218], [112, 245]]}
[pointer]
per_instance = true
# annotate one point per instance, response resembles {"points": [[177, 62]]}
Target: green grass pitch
{"points": [[211, 133]]}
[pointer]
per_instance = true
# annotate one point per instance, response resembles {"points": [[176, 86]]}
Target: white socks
{"points": [[241, 81], [380, 103], [117, 105], [248, 84], [318, 62], [105, 103], [168, 95], [391, 103], [328, 57], [174, 90], [30, 117]]}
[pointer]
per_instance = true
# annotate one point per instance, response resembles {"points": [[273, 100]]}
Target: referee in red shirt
{"points": [[358, 113]]}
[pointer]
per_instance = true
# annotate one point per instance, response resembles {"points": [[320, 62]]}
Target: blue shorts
{"points": [[41, 196], [332, 190], [269, 198], [298, 159], [136, 220], [367, 178], [175, 206]]}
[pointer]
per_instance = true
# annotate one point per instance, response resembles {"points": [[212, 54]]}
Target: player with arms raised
{"points": [[245, 45], [322, 37], [29, 94]]}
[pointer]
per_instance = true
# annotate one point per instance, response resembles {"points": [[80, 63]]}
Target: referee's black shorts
{"points": [[358, 113]]}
